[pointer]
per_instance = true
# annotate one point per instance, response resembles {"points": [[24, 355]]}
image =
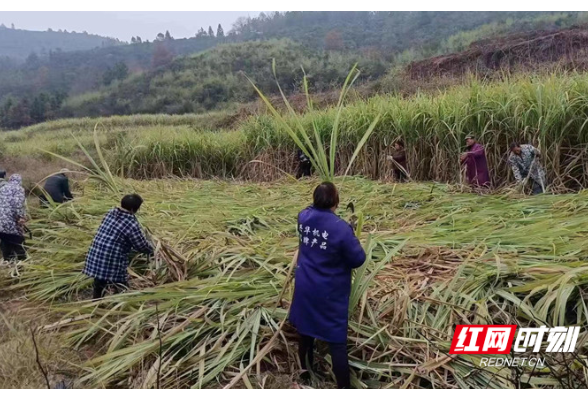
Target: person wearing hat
{"points": [[57, 187], [475, 161]]}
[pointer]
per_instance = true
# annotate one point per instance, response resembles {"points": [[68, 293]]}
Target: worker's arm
{"points": [[478, 152], [18, 206], [515, 169], [353, 252], [21, 214], [138, 240], [399, 156]]}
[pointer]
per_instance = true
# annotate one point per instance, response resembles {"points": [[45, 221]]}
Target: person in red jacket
{"points": [[475, 161]]}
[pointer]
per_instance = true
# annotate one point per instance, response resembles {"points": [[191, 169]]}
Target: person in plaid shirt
{"points": [[107, 260]]}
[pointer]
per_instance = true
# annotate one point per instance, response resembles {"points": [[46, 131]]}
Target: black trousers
{"points": [[399, 175], [338, 357], [100, 286], [537, 188], [12, 247], [303, 169]]}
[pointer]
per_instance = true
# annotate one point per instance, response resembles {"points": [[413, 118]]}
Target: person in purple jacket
{"points": [[476, 165], [328, 251]]}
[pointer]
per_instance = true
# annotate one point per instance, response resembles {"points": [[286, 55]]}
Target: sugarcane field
{"points": [[409, 220]]}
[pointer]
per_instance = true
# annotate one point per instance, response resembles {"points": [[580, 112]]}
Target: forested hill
{"points": [[171, 75], [18, 44]]}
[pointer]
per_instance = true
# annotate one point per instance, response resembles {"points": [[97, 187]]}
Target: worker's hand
{"points": [[463, 156], [22, 221], [389, 158]]}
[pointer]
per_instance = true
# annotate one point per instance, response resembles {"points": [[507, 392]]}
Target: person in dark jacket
{"points": [[108, 258], [303, 165], [57, 187], [398, 159], [328, 251]]}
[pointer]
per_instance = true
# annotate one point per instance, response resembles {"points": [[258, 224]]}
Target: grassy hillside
{"points": [[217, 79], [34, 91]]}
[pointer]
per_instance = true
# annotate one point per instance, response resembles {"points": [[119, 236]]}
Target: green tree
{"points": [[32, 61], [201, 33], [334, 41], [161, 55], [19, 115], [210, 31], [118, 73], [220, 33], [39, 108], [4, 112]]}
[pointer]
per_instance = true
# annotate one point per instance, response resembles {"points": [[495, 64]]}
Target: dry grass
{"points": [[33, 169], [441, 256], [18, 366]]}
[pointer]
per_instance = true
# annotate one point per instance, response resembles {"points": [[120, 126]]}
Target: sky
{"points": [[124, 25]]}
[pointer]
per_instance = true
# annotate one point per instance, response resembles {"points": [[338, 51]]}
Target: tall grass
{"points": [[313, 145], [549, 111]]}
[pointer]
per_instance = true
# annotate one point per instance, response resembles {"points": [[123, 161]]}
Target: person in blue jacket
{"points": [[328, 251]]}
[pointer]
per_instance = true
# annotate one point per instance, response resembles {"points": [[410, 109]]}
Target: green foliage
{"points": [[118, 73], [378, 40], [214, 78], [390, 32]]}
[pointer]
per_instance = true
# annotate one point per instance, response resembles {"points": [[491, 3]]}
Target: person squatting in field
{"points": [[328, 251], [57, 187], [119, 233]]}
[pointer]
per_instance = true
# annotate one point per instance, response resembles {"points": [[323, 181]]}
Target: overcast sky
{"points": [[124, 25]]}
